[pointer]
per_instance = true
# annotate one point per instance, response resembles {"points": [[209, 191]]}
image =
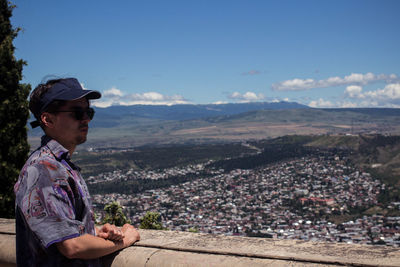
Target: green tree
{"points": [[151, 220], [193, 229], [14, 113], [114, 214]]}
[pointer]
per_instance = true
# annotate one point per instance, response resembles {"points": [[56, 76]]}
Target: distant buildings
{"points": [[287, 200]]}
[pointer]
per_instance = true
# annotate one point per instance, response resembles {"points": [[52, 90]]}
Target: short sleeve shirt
{"points": [[52, 205]]}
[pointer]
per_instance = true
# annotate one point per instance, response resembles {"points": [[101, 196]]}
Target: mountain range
{"points": [[125, 126], [108, 117]]}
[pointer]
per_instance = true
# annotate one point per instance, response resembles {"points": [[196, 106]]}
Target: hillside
{"points": [[376, 154], [189, 112], [379, 155], [193, 124]]}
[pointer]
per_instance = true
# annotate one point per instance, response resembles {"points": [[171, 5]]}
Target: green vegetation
{"points": [[272, 153], [13, 113], [140, 185], [153, 158], [335, 141], [114, 214], [151, 220], [193, 230]]}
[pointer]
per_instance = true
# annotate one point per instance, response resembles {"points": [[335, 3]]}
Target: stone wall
{"points": [[172, 248]]}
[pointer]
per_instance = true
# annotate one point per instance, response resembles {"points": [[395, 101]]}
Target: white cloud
{"points": [[246, 97], [113, 92], [348, 104], [154, 98], [295, 84], [252, 96], [353, 91], [388, 97], [277, 100], [149, 96], [352, 79], [390, 92], [235, 95], [115, 96], [101, 103], [321, 103], [220, 102]]}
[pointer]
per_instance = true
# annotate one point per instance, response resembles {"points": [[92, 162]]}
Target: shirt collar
{"points": [[60, 152], [56, 148]]}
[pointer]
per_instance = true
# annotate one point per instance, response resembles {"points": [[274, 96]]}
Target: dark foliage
{"points": [[114, 214], [271, 154], [13, 113], [151, 220], [152, 158], [140, 185]]}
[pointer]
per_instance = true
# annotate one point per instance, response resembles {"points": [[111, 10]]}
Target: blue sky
{"points": [[319, 53]]}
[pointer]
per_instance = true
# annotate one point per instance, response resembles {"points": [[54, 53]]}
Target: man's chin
{"points": [[81, 140]]}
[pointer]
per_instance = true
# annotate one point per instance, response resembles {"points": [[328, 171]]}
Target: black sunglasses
{"points": [[79, 113]]}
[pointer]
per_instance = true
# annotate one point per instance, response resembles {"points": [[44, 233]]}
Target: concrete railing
{"points": [[172, 248]]}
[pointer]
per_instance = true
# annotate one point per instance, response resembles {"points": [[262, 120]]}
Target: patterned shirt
{"points": [[52, 204]]}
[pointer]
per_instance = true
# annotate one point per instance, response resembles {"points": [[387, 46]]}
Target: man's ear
{"points": [[47, 119]]}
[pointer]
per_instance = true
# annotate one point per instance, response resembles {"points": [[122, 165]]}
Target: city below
{"points": [[308, 198]]}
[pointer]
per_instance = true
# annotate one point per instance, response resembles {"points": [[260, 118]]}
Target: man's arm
{"points": [[90, 247]]}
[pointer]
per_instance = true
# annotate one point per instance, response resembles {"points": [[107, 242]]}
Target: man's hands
{"points": [[110, 231], [131, 235], [109, 239], [127, 234]]}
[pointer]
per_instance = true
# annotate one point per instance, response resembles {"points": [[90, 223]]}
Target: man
{"points": [[54, 215]]}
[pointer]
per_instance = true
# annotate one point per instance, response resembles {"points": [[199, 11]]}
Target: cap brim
{"points": [[89, 94]]}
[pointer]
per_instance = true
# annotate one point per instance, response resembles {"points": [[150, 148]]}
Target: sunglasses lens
{"points": [[80, 114], [90, 113]]}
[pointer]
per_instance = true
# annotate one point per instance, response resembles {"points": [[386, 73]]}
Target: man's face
{"points": [[68, 130]]}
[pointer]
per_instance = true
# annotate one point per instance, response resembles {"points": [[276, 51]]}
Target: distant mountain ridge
{"points": [[127, 126], [115, 116], [201, 115], [190, 111]]}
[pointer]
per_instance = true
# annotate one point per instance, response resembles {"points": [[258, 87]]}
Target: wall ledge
{"points": [[173, 248]]}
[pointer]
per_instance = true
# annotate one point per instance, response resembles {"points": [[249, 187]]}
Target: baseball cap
{"points": [[66, 89]]}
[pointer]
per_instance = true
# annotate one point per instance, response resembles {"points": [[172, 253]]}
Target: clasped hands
{"points": [[126, 234]]}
